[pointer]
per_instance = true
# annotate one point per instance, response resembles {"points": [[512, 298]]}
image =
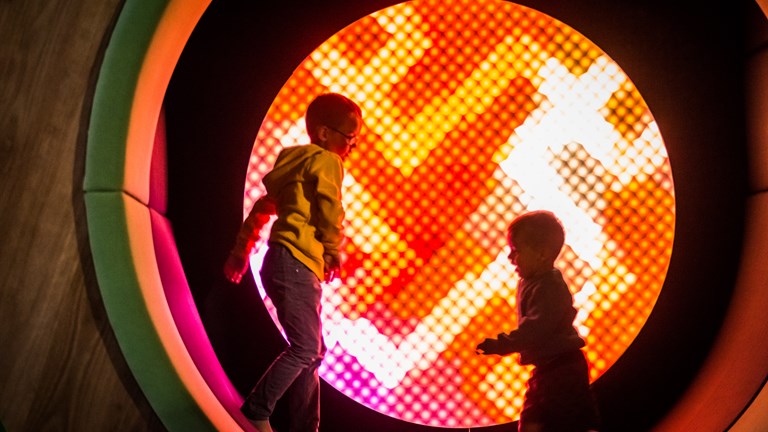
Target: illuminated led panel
{"points": [[475, 111]]}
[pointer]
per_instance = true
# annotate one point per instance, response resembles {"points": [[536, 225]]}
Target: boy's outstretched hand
{"points": [[235, 267]]}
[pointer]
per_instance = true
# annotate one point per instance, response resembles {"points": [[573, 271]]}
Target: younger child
{"points": [[558, 397], [304, 190]]}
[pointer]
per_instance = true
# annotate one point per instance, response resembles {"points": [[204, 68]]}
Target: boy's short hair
{"points": [[538, 229], [329, 109]]}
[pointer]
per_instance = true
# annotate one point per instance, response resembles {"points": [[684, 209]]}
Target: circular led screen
{"points": [[475, 112]]}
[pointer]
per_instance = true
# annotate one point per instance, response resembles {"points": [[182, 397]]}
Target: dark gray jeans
{"points": [[296, 292]]}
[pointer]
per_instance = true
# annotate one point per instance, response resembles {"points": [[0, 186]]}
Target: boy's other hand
{"points": [[235, 267], [332, 267]]}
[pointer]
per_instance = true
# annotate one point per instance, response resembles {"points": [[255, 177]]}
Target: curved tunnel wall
{"points": [[84, 397]]}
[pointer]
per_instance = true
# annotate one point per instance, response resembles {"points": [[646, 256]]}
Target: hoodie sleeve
{"points": [[329, 172], [249, 230]]}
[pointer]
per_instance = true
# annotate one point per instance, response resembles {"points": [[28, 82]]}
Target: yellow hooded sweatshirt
{"points": [[304, 190]]}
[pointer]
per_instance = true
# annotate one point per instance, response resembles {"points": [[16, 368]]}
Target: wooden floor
{"points": [[60, 367]]}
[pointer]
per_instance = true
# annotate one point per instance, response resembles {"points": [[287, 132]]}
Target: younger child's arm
{"points": [[237, 262], [545, 306], [490, 346]]}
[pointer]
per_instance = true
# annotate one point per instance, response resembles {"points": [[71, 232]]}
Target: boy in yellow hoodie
{"points": [[304, 190]]}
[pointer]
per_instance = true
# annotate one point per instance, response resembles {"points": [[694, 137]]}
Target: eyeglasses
{"points": [[351, 139]]}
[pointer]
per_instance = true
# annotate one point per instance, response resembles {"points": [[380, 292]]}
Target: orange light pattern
{"points": [[476, 111]]}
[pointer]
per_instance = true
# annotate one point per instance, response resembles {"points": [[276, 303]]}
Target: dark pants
{"points": [[296, 292], [558, 396]]}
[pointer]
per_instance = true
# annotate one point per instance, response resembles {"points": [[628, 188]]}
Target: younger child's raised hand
{"points": [[489, 346], [503, 344]]}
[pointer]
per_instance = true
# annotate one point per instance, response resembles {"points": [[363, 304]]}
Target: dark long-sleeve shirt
{"points": [[545, 320]]}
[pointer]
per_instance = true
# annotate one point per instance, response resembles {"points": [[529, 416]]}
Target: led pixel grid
{"points": [[475, 111]]}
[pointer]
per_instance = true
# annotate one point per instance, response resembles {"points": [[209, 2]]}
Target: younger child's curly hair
{"points": [[540, 230]]}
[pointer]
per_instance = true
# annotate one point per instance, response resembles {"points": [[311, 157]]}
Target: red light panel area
{"points": [[475, 112]]}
